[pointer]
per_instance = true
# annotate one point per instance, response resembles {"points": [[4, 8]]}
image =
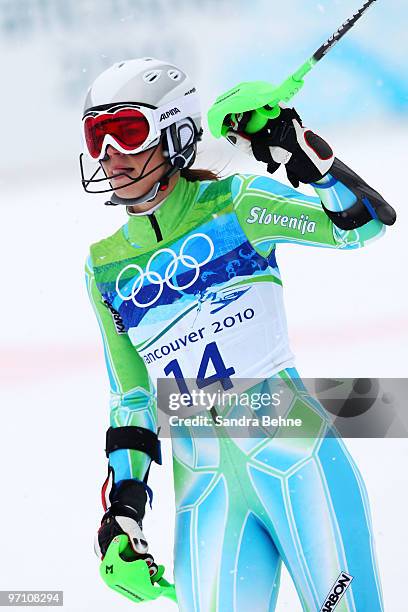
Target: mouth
{"points": [[120, 170]]}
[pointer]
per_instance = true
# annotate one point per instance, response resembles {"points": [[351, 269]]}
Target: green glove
{"points": [[132, 578]]}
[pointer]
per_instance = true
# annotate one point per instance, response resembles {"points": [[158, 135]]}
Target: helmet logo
{"points": [[167, 114]]}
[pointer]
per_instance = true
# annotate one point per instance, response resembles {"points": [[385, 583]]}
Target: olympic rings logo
{"points": [[155, 278]]}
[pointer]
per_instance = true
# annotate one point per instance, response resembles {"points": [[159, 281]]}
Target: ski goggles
{"points": [[132, 128]]}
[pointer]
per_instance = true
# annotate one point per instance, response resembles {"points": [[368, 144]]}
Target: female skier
{"points": [[189, 286]]}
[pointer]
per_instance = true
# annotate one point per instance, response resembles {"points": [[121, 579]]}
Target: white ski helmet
{"points": [[166, 96]]}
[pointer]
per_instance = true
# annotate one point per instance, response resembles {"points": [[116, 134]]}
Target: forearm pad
{"points": [[369, 203], [136, 438]]}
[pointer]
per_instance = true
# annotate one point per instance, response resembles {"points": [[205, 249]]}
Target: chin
{"points": [[135, 191], [129, 193]]}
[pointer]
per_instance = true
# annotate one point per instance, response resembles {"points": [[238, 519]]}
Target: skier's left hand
{"points": [[124, 506], [126, 564], [284, 140]]}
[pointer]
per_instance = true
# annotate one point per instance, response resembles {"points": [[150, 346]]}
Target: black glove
{"points": [[284, 140], [125, 505]]}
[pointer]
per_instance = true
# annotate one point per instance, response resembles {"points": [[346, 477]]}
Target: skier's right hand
{"points": [[124, 505], [305, 155]]}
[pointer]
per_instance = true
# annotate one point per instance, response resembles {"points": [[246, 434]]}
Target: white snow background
{"points": [[347, 311]]}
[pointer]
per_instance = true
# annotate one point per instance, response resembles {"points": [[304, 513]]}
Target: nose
{"points": [[110, 150]]}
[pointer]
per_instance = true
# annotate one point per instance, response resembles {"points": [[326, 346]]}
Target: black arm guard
{"points": [[370, 204], [135, 438]]}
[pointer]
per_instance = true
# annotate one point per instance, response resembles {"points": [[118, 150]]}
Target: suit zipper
{"points": [[156, 227]]}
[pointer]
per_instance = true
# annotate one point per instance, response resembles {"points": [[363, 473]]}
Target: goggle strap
{"points": [[186, 106]]}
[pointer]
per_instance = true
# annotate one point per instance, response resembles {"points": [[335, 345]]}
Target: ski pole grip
{"points": [[285, 92], [260, 118]]}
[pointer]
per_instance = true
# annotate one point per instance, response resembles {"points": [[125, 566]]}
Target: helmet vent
{"points": [[151, 76], [174, 74]]}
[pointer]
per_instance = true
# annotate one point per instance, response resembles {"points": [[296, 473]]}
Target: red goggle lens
{"points": [[129, 127]]}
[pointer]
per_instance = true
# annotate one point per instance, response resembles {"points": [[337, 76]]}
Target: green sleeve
{"points": [[270, 212], [132, 398]]}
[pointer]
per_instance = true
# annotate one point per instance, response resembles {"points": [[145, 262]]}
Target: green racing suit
{"points": [[194, 287]]}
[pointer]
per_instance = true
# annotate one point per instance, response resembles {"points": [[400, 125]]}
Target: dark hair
{"points": [[200, 174]]}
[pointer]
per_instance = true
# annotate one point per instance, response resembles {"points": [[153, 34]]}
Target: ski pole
{"points": [[263, 98]]}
